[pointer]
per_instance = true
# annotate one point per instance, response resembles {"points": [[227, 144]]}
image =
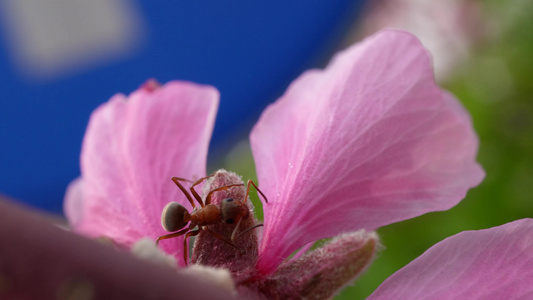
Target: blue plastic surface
{"points": [[249, 50]]}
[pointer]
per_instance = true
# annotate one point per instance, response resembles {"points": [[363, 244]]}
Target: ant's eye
{"points": [[228, 200]]}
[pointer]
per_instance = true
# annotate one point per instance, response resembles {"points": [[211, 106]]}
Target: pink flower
{"points": [[495, 263], [368, 141]]}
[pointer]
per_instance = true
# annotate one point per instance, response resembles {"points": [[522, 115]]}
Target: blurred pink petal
{"points": [[369, 141], [74, 206], [42, 261], [131, 149], [495, 263]]}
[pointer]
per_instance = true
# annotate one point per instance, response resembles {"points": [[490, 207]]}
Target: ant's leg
{"points": [[171, 235], [193, 191], [222, 188], [218, 236], [235, 229], [197, 183], [245, 231], [189, 234], [250, 182], [176, 181]]}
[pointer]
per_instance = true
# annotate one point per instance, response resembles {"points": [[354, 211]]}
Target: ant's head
{"points": [[232, 211], [174, 217]]}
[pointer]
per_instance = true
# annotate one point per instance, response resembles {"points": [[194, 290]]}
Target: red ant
{"points": [[175, 216]]}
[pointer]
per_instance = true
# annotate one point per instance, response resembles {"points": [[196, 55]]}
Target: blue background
{"points": [[249, 50]]}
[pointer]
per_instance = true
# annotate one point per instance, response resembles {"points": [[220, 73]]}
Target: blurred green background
{"points": [[495, 83]]}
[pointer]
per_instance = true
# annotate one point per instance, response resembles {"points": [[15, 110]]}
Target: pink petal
{"points": [[369, 141], [39, 260], [495, 263], [73, 205], [131, 150]]}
